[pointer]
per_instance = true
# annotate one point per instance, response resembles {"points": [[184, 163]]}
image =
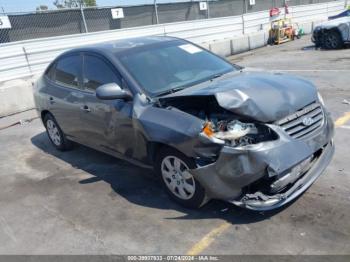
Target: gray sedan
{"points": [[209, 129]]}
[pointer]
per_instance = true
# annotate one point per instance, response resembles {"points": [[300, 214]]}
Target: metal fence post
{"points": [[27, 60], [208, 13], [243, 24], [244, 11], [83, 16], [156, 11]]}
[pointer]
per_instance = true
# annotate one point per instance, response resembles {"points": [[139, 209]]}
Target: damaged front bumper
{"points": [[248, 176]]}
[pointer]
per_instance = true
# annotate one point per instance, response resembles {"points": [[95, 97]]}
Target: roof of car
{"points": [[117, 46]]}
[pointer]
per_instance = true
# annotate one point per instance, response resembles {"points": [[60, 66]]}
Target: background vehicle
{"points": [[332, 34], [342, 14], [208, 128]]}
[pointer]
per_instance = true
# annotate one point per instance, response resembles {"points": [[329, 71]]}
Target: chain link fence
{"points": [[75, 21]]}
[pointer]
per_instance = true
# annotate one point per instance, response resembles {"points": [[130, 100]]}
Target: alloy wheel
{"points": [[332, 41]]}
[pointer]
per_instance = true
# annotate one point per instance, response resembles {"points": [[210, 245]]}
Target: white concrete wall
{"points": [[16, 96]]}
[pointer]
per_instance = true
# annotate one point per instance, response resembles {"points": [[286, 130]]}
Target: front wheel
{"points": [[173, 169], [333, 40]]}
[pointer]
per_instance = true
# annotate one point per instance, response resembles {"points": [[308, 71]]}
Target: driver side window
{"points": [[97, 72]]}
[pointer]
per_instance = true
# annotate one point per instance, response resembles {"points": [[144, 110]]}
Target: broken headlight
{"points": [[237, 133]]}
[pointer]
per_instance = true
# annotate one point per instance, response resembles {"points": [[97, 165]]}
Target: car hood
{"points": [[265, 97], [333, 22]]}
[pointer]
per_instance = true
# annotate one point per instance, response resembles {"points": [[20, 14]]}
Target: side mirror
{"points": [[112, 91]]}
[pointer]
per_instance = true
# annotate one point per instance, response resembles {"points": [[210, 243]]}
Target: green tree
{"points": [[42, 8], [90, 2], [73, 3]]}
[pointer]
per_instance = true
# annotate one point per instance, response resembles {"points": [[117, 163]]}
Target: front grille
{"points": [[303, 122]]}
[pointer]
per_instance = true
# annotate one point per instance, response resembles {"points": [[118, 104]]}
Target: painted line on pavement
{"points": [[208, 239], [342, 120]]}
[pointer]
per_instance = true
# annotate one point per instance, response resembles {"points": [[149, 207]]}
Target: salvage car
{"points": [[210, 129], [333, 34]]}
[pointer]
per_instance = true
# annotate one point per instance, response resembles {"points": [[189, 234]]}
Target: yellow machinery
{"points": [[282, 31]]}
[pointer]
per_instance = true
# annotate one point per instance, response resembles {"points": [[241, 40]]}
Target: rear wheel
{"points": [[333, 40], [173, 169], [55, 133]]}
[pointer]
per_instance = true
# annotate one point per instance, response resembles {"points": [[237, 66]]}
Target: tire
{"points": [[55, 134], [181, 186], [333, 40]]}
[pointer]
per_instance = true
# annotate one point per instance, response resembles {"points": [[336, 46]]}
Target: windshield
{"points": [[172, 66]]}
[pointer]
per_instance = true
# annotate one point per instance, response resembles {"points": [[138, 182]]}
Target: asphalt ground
{"points": [[85, 202]]}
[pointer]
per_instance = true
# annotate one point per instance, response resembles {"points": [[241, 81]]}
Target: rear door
{"points": [[65, 95], [107, 123]]}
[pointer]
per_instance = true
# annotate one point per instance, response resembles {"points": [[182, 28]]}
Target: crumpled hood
{"points": [[333, 23], [265, 97]]}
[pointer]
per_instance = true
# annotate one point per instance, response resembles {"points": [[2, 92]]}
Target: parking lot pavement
{"points": [[85, 202]]}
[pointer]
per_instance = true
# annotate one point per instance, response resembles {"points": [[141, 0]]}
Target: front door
{"points": [[107, 123]]}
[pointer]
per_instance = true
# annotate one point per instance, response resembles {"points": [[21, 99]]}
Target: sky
{"points": [[30, 5]]}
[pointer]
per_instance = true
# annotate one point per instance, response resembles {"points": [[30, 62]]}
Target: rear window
{"points": [[50, 72], [68, 70]]}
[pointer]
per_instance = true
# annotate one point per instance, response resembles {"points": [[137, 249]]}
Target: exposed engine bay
{"points": [[236, 133], [221, 125]]}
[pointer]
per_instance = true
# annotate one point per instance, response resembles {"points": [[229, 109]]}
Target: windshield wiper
{"points": [[175, 89], [216, 76], [170, 91]]}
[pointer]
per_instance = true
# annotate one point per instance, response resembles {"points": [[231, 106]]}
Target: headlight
{"points": [[320, 98], [237, 133]]}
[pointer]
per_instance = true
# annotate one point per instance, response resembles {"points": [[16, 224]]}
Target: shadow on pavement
{"points": [[140, 186], [310, 47], [313, 47]]}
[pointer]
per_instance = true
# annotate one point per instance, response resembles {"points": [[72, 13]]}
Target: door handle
{"points": [[51, 100], [85, 108]]}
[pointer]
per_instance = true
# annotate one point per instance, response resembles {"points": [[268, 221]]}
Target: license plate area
{"points": [[293, 175]]}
